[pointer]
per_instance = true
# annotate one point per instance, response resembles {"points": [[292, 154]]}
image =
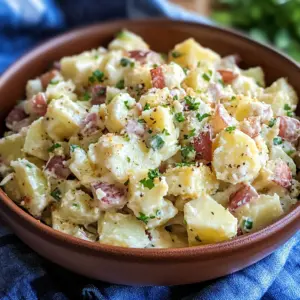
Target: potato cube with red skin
{"points": [[289, 128], [221, 119]]}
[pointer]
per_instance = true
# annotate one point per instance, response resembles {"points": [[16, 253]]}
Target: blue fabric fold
{"points": [[26, 275]]}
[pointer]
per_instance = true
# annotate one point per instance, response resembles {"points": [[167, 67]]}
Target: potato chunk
{"points": [[11, 147], [208, 221], [235, 157], [37, 141], [259, 213], [190, 182], [122, 230], [63, 119], [32, 185], [189, 53], [147, 202]]}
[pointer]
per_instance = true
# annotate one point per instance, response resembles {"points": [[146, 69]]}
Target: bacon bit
{"points": [[90, 124], [157, 76], [282, 174], [114, 197], [227, 76], [251, 126], [98, 93], [139, 55], [221, 119], [47, 77], [56, 165], [135, 128], [38, 104], [241, 197], [289, 128], [203, 146]]}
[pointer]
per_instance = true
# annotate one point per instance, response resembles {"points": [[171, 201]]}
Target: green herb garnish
{"points": [[120, 85], [175, 97], [191, 103], [185, 70], [73, 147], [230, 129], [56, 194], [147, 106], [124, 62], [277, 140], [165, 132], [176, 54], [247, 224], [126, 104], [190, 134], [272, 122], [286, 107], [86, 97], [141, 121], [206, 77], [128, 159], [54, 82], [54, 146], [179, 117], [202, 117], [96, 76], [149, 182], [156, 142], [187, 152], [126, 137]]}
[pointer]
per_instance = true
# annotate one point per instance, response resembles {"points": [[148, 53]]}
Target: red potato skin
{"points": [[203, 146], [139, 55], [221, 119], [39, 104], [289, 128], [283, 175], [56, 165], [241, 197], [254, 129], [47, 77], [157, 77]]}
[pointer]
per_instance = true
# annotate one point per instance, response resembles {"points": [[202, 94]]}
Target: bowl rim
{"points": [[153, 254]]}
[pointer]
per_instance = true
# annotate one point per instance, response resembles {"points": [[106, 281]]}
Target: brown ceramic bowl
{"points": [[145, 266]]}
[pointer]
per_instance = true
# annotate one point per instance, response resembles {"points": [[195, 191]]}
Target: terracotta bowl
{"points": [[145, 266]]}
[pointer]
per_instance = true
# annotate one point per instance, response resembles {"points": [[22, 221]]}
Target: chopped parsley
{"points": [[141, 121], [184, 164], [126, 182], [126, 137], [29, 166], [96, 76], [54, 82], [290, 152], [289, 113], [185, 70], [206, 77], [147, 106], [176, 54], [191, 103], [73, 147], [175, 97], [124, 62], [149, 182], [75, 205], [202, 117], [247, 224], [277, 140], [165, 132], [187, 152], [53, 147], [199, 64], [128, 159], [120, 85], [179, 117], [144, 218], [156, 142], [272, 122], [286, 107], [121, 34], [221, 82], [191, 133], [86, 97], [233, 98], [56, 194], [126, 104], [230, 129]]}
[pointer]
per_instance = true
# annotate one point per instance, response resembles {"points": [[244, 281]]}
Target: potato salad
{"points": [[130, 147]]}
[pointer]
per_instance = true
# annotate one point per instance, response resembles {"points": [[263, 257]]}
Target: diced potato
{"points": [[235, 157], [58, 223], [11, 147], [61, 89], [118, 112], [246, 86], [161, 238], [263, 150], [128, 41], [262, 212], [32, 186], [257, 74], [278, 95], [222, 197], [80, 67], [121, 156], [155, 97], [63, 119], [33, 87], [173, 75], [190, 181], [113, 69], [221, 119], [11, 188], [37, 141], [78, 207], [148, 204], [278, 153], [269, 133], [138, 79], [122, 230], [189, 53], [80, 166], [208, 222]]}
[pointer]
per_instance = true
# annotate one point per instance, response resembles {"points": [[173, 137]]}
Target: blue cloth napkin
{"points": [[26, 275]]}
